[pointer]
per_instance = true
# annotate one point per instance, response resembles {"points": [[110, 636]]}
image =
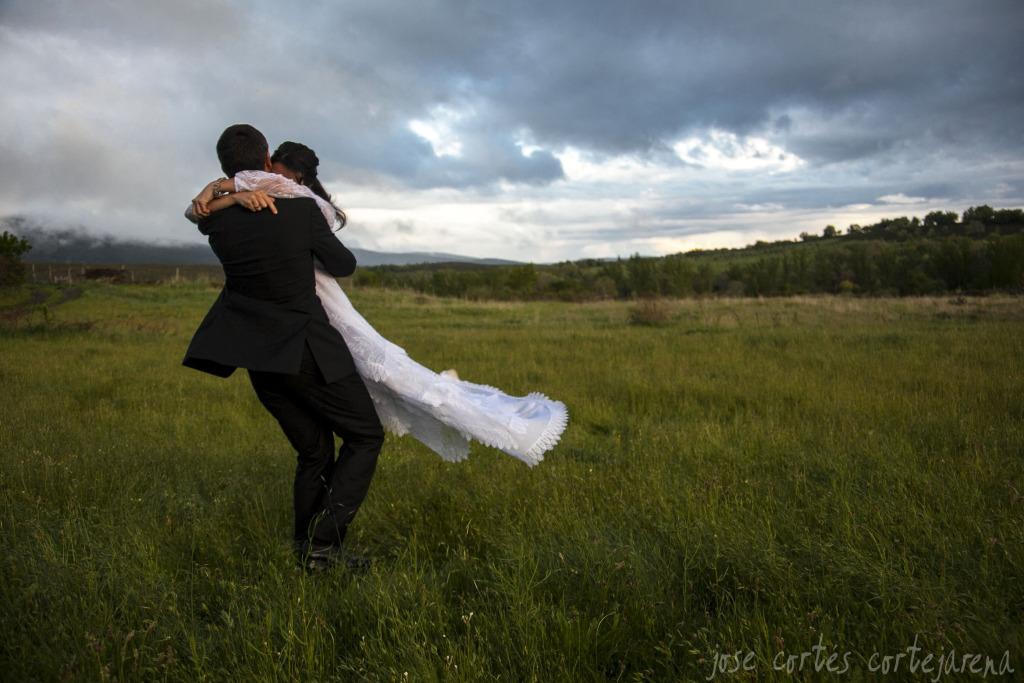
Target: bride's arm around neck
{"points": [[271, 183], [277, 185]]}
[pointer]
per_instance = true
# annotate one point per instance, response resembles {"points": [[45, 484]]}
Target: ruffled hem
{"points": [[551, 435]]}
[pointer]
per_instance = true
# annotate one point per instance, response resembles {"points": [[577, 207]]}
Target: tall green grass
{"points": [[749, 476]]}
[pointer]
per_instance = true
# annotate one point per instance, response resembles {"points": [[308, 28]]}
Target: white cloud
{"points": [[722, 150], [900, 198], [439, 129], [759, 208]]}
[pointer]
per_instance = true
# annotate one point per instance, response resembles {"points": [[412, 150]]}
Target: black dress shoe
{"points": [[315, 558], [305, 560]]}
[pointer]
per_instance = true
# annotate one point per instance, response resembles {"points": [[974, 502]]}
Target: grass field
{"points": [[753, 476]]}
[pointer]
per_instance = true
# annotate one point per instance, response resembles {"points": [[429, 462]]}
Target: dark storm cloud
{"points": [[614, 77], [626, 77], [113, 107], [195, 24]]}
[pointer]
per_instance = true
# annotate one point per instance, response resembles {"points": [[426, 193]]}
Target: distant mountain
{"points": [[75, 245], [366, 257]]}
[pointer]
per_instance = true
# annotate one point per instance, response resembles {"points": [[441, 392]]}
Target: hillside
{"points": [[981, 251]]}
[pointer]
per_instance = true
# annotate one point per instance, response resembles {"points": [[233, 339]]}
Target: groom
{"points": [[269, 321]]}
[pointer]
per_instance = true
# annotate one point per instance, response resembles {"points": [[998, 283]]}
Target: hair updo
{"points": [[303, 161]]}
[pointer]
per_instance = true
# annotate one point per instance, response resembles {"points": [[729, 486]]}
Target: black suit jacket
{"points": [[268, 308]]}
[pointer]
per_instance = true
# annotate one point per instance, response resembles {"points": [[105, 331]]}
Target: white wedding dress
{"points": [[443, 412]]}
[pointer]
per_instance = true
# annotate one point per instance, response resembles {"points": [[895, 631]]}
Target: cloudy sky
{"points": [[528, 130]]}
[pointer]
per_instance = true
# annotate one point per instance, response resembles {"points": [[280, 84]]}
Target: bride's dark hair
{"points": [[303, 161]]}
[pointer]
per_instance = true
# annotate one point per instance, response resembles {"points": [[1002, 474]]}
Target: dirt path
{"points": [[68, 294], [37, 297]]}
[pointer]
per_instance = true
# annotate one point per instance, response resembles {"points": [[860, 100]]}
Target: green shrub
{"points": [[12, 270], [650, 312]]}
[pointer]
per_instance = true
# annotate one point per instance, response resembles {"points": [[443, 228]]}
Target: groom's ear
{"points": [[266, 163]]}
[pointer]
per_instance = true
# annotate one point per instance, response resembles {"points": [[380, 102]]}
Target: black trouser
{"points": [[310, 411]]}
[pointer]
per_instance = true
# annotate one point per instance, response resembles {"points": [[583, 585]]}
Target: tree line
{"points": [[979, 251]]}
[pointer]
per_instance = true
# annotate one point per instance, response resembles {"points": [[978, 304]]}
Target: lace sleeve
{"points": [[272, 183], [242, 181], [278, 186]]}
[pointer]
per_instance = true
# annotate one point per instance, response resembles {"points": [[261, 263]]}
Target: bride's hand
{"points": [[201, 202], [256, 200]]}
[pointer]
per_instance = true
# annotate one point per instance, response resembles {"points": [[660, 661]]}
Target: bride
{"points": [[442, 411]]}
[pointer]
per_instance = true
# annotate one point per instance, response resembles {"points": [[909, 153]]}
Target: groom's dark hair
{"points": [[241, 148]]}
